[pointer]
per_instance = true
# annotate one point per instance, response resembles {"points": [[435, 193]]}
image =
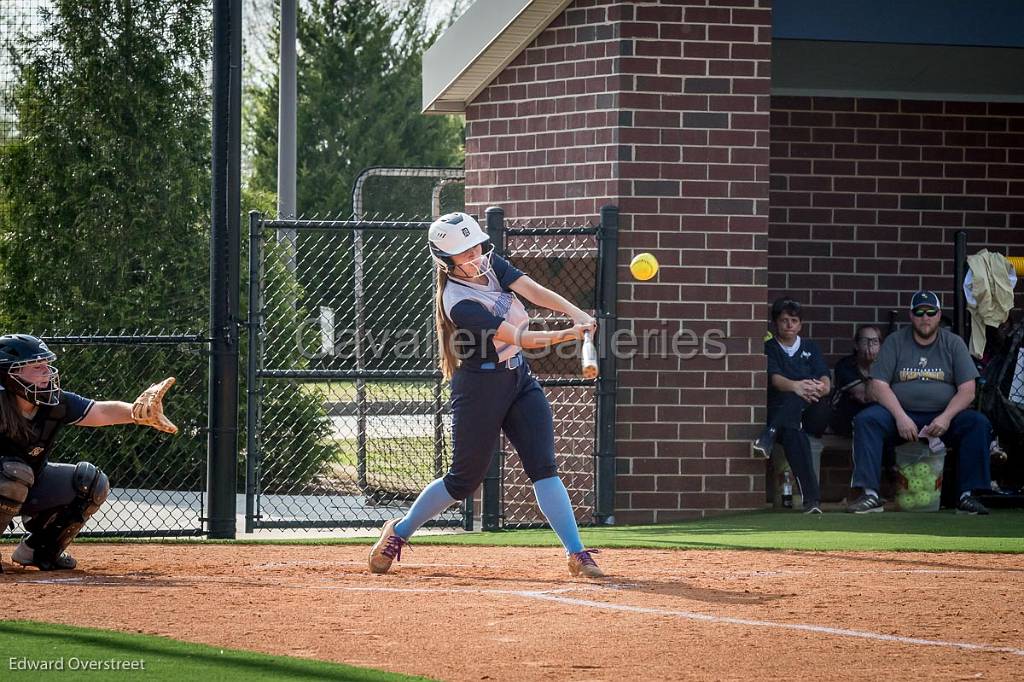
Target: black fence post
{"points": [[491, 517], [225, 218], [607, 383], [253, 365], [959, 272]]}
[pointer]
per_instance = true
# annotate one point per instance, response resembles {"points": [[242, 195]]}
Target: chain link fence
{"points": [[563, 258], [157, 480], [20, 21], [349, 418]]}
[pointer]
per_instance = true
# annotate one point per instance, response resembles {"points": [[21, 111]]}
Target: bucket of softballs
{"points": [[920, 475]]}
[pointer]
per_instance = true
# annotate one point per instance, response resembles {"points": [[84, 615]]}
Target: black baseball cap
{"points": [[925, 298]]}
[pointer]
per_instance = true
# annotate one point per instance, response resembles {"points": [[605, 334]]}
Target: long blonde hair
{"points": [[445, 328], [12, 422]]}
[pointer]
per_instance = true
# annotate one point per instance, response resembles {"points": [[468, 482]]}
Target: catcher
{"points": [[54, 500]]}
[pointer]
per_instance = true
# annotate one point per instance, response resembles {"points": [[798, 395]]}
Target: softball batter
{"points": [[482, 328], [54, 500]]}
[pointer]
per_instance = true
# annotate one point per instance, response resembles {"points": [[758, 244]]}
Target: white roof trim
{"points": [[477, 47]]}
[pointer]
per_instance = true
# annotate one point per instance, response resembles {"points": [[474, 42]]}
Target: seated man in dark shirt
{"points": [[852, 374], [798, 382], [924, 382]]}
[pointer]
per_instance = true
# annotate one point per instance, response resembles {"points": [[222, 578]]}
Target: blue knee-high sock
{"points": [[432, 501], [553, 499]]}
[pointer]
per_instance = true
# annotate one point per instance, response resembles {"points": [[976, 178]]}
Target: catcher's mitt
{"points": [[148, 408]]}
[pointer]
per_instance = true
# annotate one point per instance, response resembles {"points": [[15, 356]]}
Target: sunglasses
{"points": [[930, 312]]}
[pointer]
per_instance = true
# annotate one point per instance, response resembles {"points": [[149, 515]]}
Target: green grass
{"points": [[407, 461], [345, 391], [943, 531], [936, 532], [164, 659]]}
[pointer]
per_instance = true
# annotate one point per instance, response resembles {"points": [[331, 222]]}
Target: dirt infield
{"points": [[479, 613]]}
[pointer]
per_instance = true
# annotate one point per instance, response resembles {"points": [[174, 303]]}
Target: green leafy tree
{"points": [[359, 100], [359, 95], [107, 182]]}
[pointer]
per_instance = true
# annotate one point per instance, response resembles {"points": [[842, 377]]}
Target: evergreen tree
{"points": [[107, 180], [359, 100], [105, 183]]}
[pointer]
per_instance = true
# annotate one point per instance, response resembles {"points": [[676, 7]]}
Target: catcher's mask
{"points": [[457, 233], [38, 385]]}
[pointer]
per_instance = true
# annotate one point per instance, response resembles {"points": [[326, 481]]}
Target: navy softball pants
{"points": [[969, 432], [54, 488], [794, 419], [486, 402]]}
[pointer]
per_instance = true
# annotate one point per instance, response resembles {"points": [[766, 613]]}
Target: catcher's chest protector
{"points": [[45, 425]]}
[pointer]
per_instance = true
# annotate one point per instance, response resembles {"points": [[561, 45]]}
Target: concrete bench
{"points": [[833, 456]]}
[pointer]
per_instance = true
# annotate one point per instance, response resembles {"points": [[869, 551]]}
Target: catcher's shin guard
{"points": [[16, 478], [53, 530]]}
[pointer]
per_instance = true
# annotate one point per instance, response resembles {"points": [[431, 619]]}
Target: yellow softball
{"points": [[644, 266]]}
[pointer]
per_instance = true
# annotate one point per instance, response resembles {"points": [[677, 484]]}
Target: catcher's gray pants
{"points": [[54, 488]]}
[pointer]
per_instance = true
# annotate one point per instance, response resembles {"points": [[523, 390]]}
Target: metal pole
{"points": [[959, 272], [491, 519], [438, 402], [607, 383], [252, 381], [222, 408], [435, 194], [287, 155], [360, 310], [438, 384]]}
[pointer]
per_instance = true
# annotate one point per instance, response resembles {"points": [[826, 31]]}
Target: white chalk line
{"points": [[820, 629], [554, 595], [928, 571]]}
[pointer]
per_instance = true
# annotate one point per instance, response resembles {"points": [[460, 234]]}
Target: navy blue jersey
{"points": [[806, 363], [844, 405], [45, 424], [477, 310]]}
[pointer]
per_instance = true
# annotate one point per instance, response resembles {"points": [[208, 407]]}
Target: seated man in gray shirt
{"points": [[923, 381]]}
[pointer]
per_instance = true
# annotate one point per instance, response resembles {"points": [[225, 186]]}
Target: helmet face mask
{"points": [[454, 234], [46, 394], [18, 354], [476, 267]]}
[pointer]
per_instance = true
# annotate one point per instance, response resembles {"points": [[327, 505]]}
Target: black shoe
{"points": [[971, 505], [765, 442], [813, 509], [865, 504]]}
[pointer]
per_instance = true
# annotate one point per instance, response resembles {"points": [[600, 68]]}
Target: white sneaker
{"points": [[25, 555]]}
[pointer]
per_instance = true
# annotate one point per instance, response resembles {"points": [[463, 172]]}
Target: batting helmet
{"points": [[21, 350], [457, 233]]}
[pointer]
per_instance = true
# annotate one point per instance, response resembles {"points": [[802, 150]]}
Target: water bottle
{"points": [[787, 489]]}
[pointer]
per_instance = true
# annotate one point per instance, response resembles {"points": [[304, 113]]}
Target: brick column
{"points": [[694, 144], [661, 108]]}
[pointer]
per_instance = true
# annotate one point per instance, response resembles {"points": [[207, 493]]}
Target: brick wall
{"points": [[867, 194], [541, 139], [662, 109]]}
